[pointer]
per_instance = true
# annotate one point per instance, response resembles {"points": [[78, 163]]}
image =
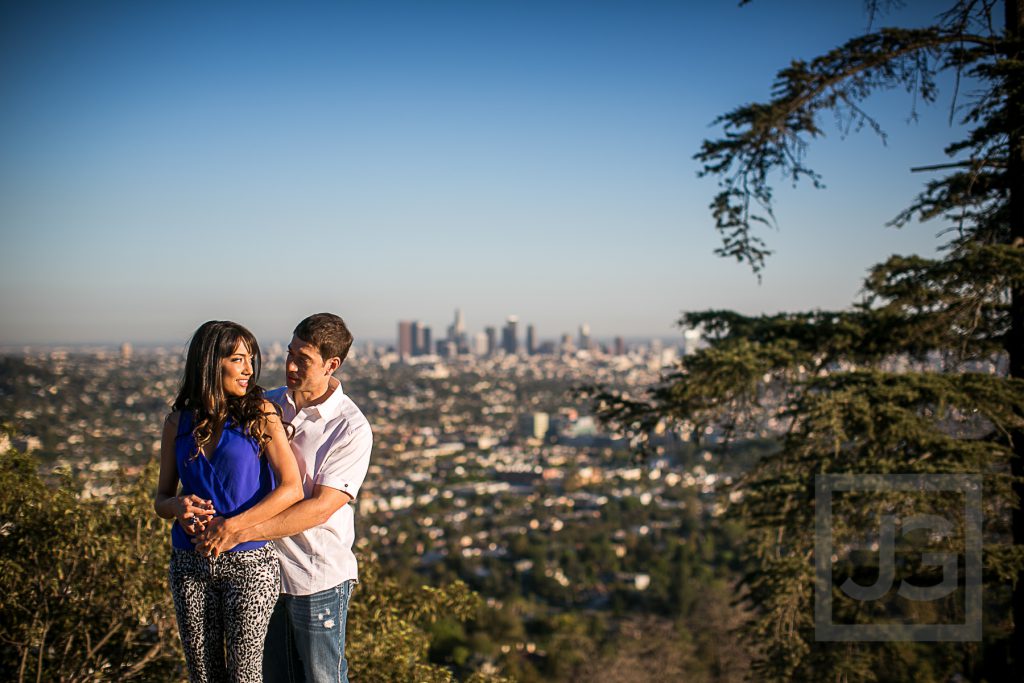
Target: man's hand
{"points": [[216, 538]]}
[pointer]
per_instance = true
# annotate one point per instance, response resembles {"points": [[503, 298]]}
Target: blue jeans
{"points": [[306, 638]]}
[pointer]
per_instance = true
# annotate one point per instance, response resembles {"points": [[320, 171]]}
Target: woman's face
{"points": [[236, 370]]}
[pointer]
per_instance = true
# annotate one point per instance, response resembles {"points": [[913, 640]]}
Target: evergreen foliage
{"points": [[83, 584], [389, 626], [924, 375]]}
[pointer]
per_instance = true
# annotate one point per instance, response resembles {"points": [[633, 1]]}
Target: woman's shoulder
{"points": [[179, 419], [177, 424]]}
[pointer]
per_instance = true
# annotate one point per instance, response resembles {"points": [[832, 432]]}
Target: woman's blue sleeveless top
{"points": [[234, 476]]}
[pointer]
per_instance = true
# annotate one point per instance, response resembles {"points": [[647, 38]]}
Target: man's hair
{"points": [[328, 333]]}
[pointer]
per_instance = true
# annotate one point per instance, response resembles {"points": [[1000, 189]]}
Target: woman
{"points": [[227, 446]]}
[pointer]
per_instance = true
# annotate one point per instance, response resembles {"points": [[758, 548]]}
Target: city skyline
{"points": [[608, 338], [417, 338], [167, 164]]}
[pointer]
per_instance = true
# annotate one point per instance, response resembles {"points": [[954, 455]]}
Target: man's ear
{"points": [[333, 364]]}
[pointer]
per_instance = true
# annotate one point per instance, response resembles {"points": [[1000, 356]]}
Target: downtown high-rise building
{"points": [[425, 341], [457, 332], [406, 338], [414, 339], [620, 346], [417, 338], [460, 323], [483, 344], [584, 337], [531, 340], [492, 340], [509, 336]]}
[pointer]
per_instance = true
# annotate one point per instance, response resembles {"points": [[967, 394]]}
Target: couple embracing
{"points": [[262, 566]]}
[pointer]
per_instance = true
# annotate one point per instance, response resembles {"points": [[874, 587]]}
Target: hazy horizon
{"points": [[267, 341]]}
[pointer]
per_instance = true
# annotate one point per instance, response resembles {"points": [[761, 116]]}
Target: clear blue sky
{"points": [[164, 163]]}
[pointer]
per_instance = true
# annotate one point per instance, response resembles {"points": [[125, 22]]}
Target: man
{"points": [[331, 443]]}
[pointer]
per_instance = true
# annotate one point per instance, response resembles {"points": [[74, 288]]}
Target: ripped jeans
{"points": [[306, 638]]}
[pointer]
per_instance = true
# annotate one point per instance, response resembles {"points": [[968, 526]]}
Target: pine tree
{"points": [[924, 375]]}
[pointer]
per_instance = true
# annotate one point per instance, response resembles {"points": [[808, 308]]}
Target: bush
{"points": [[84, 595], [83, 584]]}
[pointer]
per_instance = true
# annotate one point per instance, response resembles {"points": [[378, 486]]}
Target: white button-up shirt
{"points": [[331, 443]]}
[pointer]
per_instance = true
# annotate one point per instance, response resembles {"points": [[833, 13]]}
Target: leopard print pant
{"points": [[224, 604]]}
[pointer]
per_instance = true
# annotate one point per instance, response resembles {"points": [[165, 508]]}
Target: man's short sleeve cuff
{"points": [[342, 485], [345, 467]]}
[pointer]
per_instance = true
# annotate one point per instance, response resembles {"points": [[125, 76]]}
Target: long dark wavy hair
{"points": [[202, 390]]}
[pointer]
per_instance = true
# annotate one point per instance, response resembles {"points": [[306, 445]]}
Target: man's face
{"points": [[305, 369]]}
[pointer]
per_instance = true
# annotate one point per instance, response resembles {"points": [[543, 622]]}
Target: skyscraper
{"points": [[584, 337], [509, 336], [417, 343], [492, 340], [531, 341], [425, 339], [620, 346], [481, 345], [406, 340], [457, 332]]}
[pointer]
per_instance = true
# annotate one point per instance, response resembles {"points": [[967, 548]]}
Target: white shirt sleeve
{"points": [[345, 466]]}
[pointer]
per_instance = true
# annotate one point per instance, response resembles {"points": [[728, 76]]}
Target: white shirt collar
{"points": [[329, 408]]}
